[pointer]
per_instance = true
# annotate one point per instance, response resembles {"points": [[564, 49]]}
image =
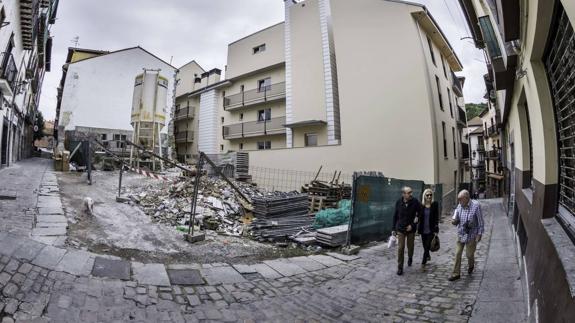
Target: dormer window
{"points": [[259, 49]]}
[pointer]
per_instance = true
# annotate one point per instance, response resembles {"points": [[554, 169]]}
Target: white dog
{"points": [[89, 205]]}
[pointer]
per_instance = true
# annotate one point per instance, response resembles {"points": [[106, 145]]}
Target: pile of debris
{"points": [[218, 207], [280, 216]]}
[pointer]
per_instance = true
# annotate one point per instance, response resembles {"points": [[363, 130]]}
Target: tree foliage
{"points": [[474, 109]]}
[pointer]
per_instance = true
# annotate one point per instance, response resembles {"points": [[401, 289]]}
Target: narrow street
{"points": [[57, 284]]}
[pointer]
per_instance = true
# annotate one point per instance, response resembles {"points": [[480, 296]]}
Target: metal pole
{"points": [[121, 170], [89, 163], [160, 157], [195, 196]]}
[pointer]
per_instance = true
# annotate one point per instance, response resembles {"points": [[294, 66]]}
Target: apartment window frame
{"points": [[264, 115], [431, 52], [311, 143], [443, 66], [241, 146], [264, 145], [264, 84], [439, 93], [241, 117], [445, 155], [259, 49]]}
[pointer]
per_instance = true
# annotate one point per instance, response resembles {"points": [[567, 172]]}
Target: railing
{"points": [[492, 131], [184, 136], [184, 113], [457, 84], [8, 70], [493, 154], [255, 96], [273, 126]]}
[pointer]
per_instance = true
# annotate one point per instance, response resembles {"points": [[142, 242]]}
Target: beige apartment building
{"points": [[529, 46], [335, 85]]}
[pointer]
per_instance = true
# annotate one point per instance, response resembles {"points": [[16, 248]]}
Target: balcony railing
{"points": [[264, 94], [457, 88], [8, 70], [185, 113], [493, 154], [492, 131], [461, 117], [274, 126], [184, 136]]}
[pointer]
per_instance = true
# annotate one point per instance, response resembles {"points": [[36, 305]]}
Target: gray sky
{"points": [[201, 30]]}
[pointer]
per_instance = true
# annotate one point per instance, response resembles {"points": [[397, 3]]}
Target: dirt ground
{"points": [[125, 231]]}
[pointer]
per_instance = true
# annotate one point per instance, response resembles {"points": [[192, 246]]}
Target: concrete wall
{"points": [[241, 58], [186, 77], [98, 91]]}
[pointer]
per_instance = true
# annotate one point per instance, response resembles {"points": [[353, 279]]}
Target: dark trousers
{"points": [[426, 241]]}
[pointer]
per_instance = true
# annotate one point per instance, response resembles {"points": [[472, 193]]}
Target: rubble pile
{"points": [[217, 209], [280, 215]]}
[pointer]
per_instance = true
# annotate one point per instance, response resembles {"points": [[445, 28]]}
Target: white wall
{"points": [[98, 92]]}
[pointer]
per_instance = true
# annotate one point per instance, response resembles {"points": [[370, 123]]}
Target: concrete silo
{"points": [[148, 115]]}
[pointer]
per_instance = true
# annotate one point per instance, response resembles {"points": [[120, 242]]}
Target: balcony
{"points": [[274, 126], [492, 131], [461, 118], [185, 113], [29, 22], [184, 136], [456, 85], [8, 73], [256, 96], [493, 154]]}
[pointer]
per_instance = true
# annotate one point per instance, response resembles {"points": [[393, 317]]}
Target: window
{"points": [[117, 137], [265, 84], [241, 146], [431, 51], [241, 116], [2, 17], [259, 49], [310, 139], [264, 115], [443, 66], [222, 119], [454, 144], [221, 147], [241, 88], [124, 137], [444, 140], [262, 145], [450, 105], [530, 180], [104, 137], [439, 93]]}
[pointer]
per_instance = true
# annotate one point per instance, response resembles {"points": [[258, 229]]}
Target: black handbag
{"points": [[434, 243]]}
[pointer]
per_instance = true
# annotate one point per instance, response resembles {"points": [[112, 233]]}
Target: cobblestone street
{"points": [[42, 281]]}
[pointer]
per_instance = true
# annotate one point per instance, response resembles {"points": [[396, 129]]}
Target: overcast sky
{"points": [[184, 30]]}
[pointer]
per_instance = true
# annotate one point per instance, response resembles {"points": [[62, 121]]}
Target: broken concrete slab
{"points": [[150, 274], [52, 231], [343, 257], [326, 260], [49, 202], [284, 267], [183, 266], [28, 250], [49, 257], [185, 277], [51, 225], [111, 268], [306, 263], [76, 262], [222, 275]]}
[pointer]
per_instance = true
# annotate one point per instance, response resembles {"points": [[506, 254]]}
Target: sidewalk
{"points": [[501, 295]]}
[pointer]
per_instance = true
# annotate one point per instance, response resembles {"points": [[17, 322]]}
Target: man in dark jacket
{"points": [[405, 217]]}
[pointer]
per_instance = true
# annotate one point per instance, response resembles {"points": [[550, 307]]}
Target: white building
{"points": [[97, 88], [25, 46]]}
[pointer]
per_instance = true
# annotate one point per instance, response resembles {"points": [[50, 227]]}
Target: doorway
{"points": [[4, 148]]}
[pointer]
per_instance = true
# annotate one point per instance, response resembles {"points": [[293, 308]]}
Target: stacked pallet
{"points": [[280, 215], [324, 195], [333, 236], [243, 167]]}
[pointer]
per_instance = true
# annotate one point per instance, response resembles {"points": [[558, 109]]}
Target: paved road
{"points": [[51, 284]]}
